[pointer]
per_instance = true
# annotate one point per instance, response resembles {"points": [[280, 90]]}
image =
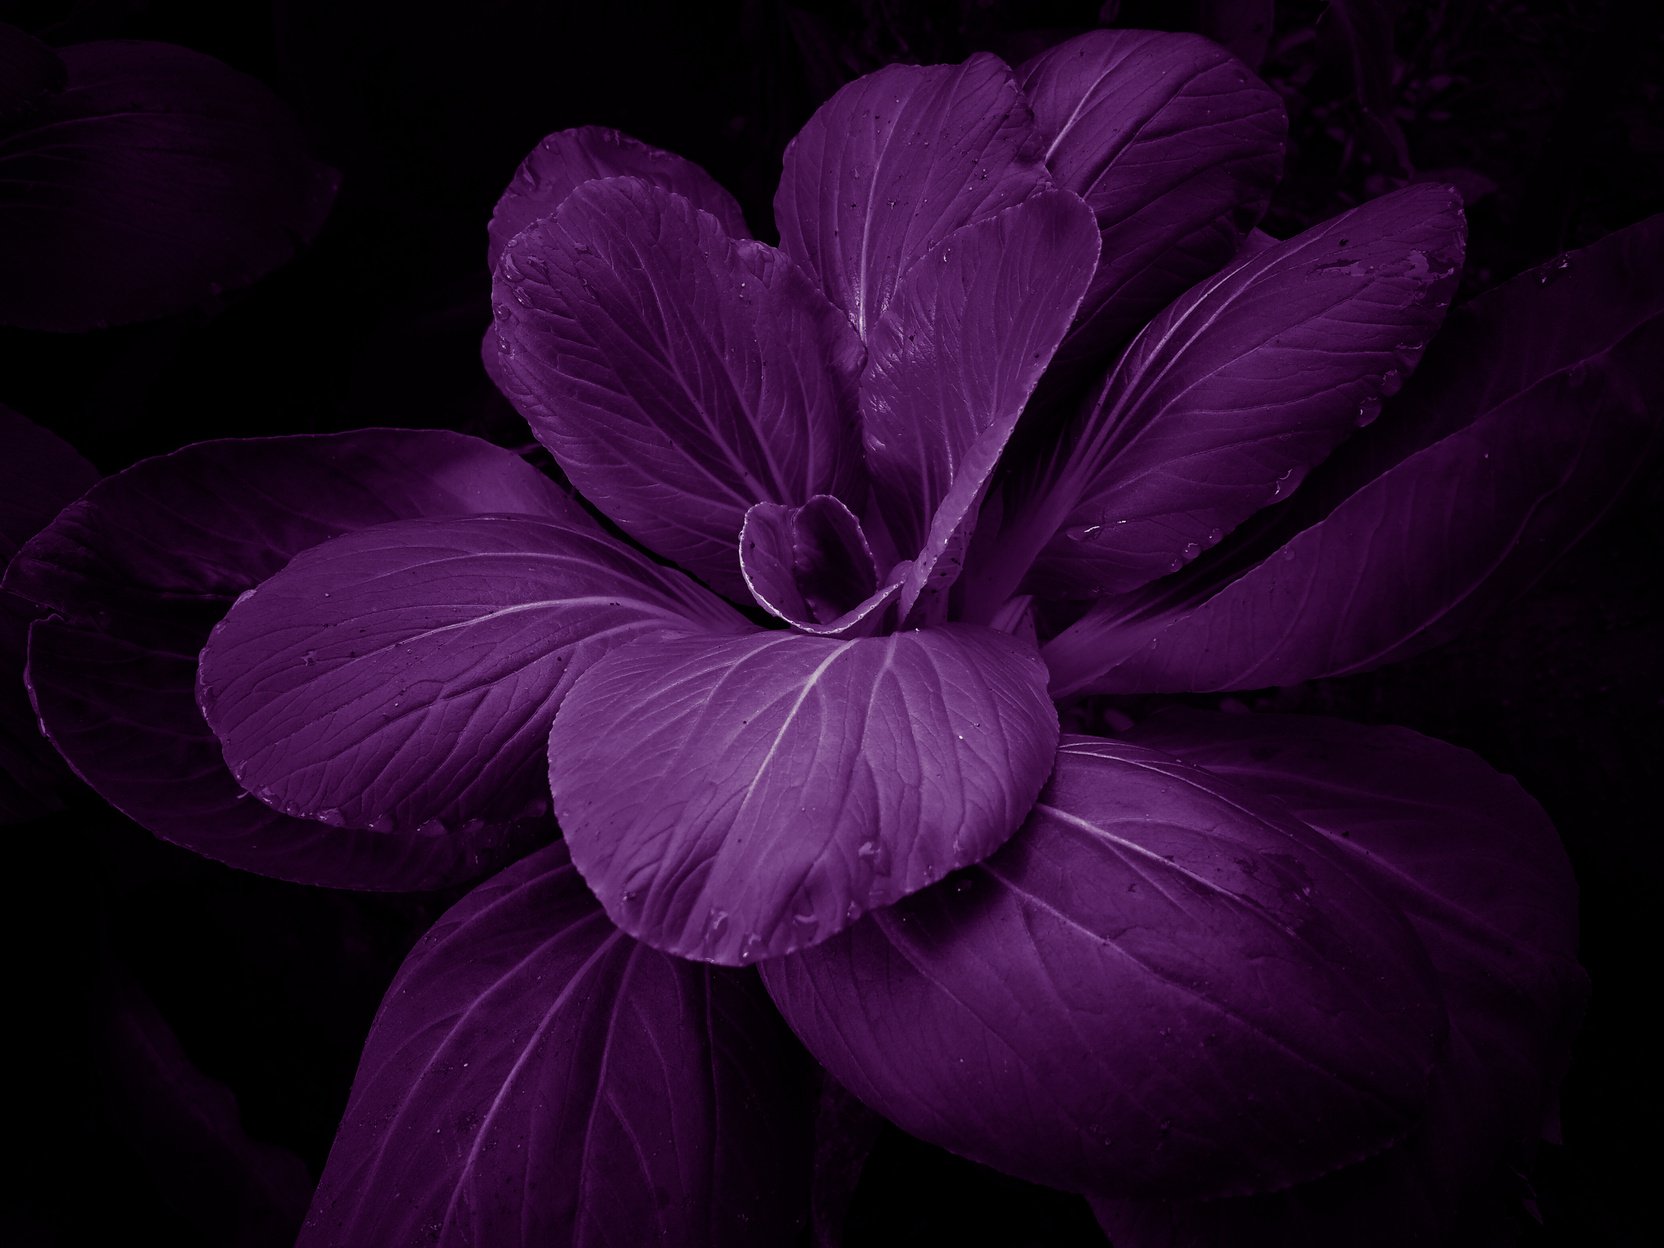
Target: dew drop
{"points": [[716, 923], [751, 947], [1214, 535], [1192, 549], [1553, 269], [381, 823], [1082, 532], [433, 827], [1368, 409], [332, 817], [852, 912], [805, 927], [875, 855]]}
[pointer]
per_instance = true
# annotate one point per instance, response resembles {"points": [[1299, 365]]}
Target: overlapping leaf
{"points": [[812, 567], [952, 362], [731, 799], [1477, 869], [1224, 402], [138, 572], [565, 160], [39, 474], [1160, 985], [894, 163], [1175, 146], [154, 179], [1482, 476], [678, 375], [536, 1077], [403, 678]]}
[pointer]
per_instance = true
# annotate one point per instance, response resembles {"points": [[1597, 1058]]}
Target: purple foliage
{"points": [[1021, 407]]}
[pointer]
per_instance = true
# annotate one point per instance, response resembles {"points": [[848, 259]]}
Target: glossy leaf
{"points": [[535, 1077], [139, 570], [403, 678], [1162, 984], [1536, 406], [894, 163], [951, 365], [679, 376], [39, 474], [731, 799], [155, 179], [812, 567], [1477, 869], [1174, 145], [565, 160], [1224, 402]]}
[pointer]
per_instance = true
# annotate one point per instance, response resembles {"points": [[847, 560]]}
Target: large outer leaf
{"points": [[140, 569], [1477, 869], [894, 163], [565, 160], [1162, 984], [39, 474], [1230, 396], [678, 375], [536, 1077], [156, 178], [404, 678], [730, 799], [951, 365], [1176, 147], [1538, 403]]}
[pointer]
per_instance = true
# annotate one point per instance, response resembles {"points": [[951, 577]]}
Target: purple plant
{"points": [[1022, 408]]}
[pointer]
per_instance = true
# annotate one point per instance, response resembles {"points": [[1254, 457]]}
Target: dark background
{"points": [[145, 983]]}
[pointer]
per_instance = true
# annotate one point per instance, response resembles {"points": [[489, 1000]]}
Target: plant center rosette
{"points": [[1021, 408]]}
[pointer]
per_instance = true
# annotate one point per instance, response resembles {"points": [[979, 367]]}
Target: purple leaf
{"points": [[536, 1077], [731, 799], [39, 474], [811, 566], [565, 160], [1534, 409], [1224, 402], [141, 568], [155, 179], [952, 363], [1229, 396], [678, 375], [895, 162], [1477, 869], [403, 678], [1176, 147], [1162, 984]]}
